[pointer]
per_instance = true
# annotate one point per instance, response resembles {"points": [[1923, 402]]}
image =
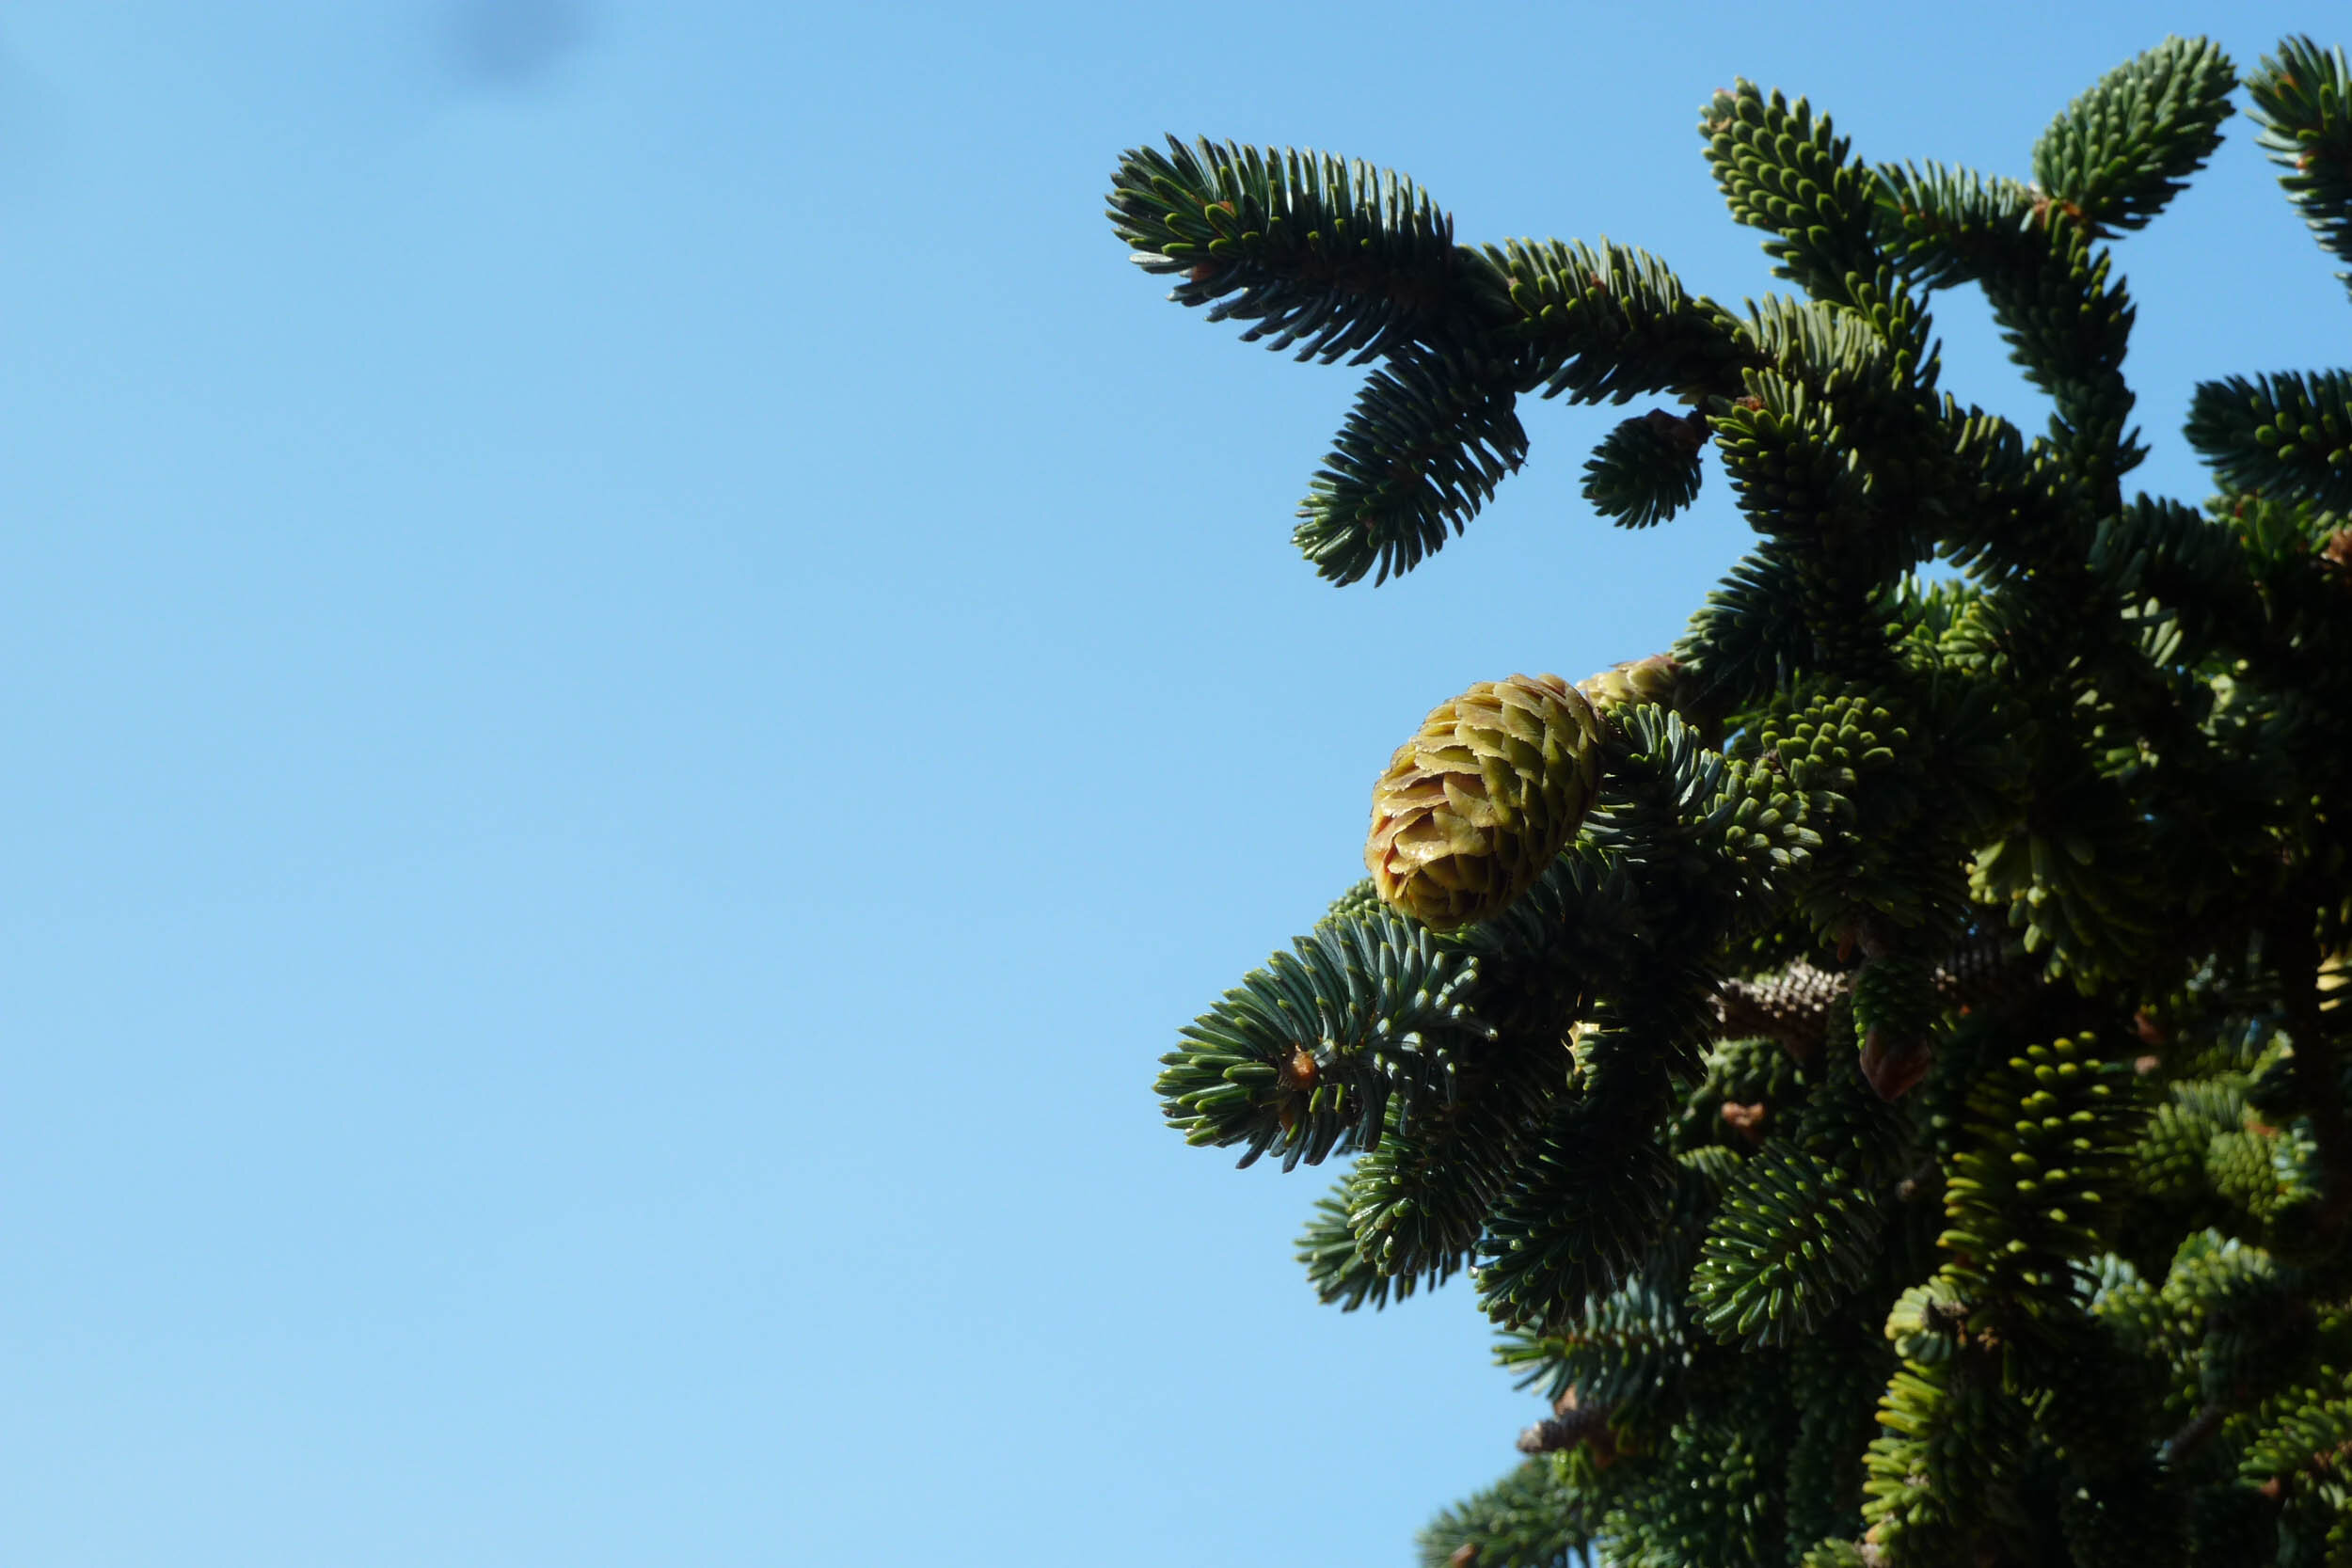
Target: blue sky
{"points": [[643, 679]]}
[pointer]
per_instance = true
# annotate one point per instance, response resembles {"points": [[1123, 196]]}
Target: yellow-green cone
{"points": [[1474, 807], [1654, 679]]}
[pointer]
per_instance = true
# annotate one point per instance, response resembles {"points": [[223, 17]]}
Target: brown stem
{"points": [[2198, 1431]]}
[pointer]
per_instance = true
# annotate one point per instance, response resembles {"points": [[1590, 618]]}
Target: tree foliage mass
{"points": [[1880, 1065]]}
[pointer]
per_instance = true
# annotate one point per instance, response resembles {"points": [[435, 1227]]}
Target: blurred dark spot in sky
{"points": [[512, 43]]}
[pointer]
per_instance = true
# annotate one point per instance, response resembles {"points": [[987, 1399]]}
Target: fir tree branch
{"points": [[1947, 225], [2122, 152], [2303, 102], [1307, 1054], [1783, 169], [1609, 322], [1791, 1241], [1535, 1517], [1415, 1204], [2288, 435], [1423, 451], [1337, 257], [1584, 1208], [1646, 469]]}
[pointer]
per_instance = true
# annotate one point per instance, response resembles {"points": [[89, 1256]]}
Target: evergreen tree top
{"points": [[1880, 1065]]}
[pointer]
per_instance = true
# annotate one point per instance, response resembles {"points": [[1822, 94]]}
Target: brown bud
{"points": [[1894, 1070]]}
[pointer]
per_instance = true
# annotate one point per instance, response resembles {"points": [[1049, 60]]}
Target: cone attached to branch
{"points": [[1659, 678], [1474, 807]]}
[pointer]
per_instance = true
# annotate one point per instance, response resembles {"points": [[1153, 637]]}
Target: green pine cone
{"points": [[1474, 807]]}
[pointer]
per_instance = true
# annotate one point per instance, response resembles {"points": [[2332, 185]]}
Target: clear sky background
{"points": [[640, 679]]}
